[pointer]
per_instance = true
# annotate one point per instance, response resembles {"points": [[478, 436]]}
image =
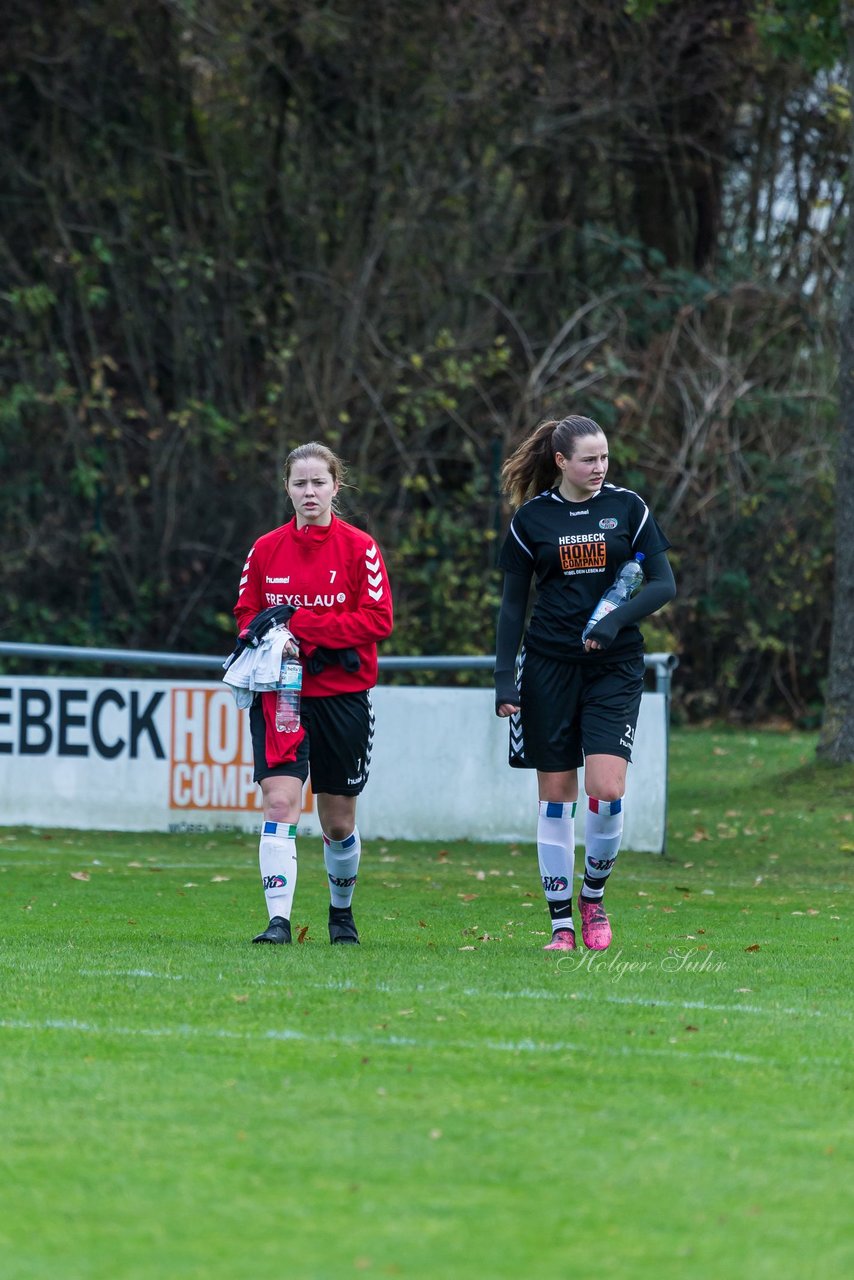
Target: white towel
{"points": [[257, 670]]}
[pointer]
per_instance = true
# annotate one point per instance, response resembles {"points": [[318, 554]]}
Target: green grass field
{"points": [[446, 1100]]}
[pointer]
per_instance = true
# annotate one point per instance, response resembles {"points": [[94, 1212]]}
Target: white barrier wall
{"points": [[137, 755]]}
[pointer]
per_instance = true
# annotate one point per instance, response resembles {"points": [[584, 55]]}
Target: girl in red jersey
{"points": [[325, 579], [571, 700]]}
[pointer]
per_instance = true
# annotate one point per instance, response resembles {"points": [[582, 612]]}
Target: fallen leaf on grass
{"points": [[467, 948], [191, 884], [681, 888], [240, 999], [80, 875], [744, 990], [302, 933], [135, 864], [692, 1028], [435, 1134], [442, 855], [754, 947], [219, 879], [422, 924], [468, 897], [404, 1013]]}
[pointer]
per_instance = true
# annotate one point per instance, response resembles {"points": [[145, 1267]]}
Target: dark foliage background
{"points": [[413, 231]]}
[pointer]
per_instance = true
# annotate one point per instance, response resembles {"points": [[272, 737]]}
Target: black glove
{"points": [[506, 690], [323, 658], [253, 632]]}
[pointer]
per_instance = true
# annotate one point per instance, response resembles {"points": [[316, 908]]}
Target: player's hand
{"points": [[603, 634], [291, 645], [506, 709], [506, 694]]}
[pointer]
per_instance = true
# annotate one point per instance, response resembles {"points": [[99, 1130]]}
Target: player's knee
{"points": [[610, 794], [281, 812]]}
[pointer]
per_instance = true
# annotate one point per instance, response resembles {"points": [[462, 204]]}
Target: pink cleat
{"points": [[562, 940], [595, 928]]}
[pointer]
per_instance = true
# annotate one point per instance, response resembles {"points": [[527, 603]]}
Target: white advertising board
{"points": [[137, 755]]}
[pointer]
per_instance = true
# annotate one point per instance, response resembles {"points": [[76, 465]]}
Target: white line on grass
{"points": [[130, 973], [287, 1034], [474, 993]]}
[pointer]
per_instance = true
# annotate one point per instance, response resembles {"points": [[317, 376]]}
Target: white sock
{"points": [[556, 857], [277, 856], [603, 832], [342, 867]]}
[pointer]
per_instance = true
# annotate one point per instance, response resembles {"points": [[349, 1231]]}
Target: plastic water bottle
{"points": [[288, 695], [627, 583]]}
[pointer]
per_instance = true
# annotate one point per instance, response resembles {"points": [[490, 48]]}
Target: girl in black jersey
{"points": [[572, 702]]}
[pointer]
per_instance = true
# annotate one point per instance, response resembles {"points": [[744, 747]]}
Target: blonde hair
{"points": [[531, 467]]}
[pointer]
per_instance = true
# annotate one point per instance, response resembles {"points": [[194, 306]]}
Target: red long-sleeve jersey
{"points": [[335, 576]]}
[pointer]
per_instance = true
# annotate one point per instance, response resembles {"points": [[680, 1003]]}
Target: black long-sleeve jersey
{"points": [[573, 550]]}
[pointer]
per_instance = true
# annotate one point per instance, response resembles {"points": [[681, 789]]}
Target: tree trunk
{"points": [[837, 735]]}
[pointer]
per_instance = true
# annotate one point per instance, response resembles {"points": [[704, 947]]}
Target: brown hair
{"points": [[531, 467], [314, 449]]}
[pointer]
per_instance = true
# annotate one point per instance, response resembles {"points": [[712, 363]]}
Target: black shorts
{"points": [[572, 710], [336, 748]]}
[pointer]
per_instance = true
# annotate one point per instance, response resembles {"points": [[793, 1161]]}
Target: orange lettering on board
{"points": [[210, 765]]}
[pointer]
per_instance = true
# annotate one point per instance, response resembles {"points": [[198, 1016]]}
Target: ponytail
{"points": [[531, 467]]}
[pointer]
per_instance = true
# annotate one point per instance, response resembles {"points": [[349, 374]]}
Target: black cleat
{"points": [[342, 926], [278, 930]]}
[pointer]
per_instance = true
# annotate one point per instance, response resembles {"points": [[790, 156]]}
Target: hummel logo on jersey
{"points": [[585, 512], [269, 579], [375, 573]]}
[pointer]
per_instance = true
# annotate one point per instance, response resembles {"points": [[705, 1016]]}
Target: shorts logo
{"points": [[608, 523], [275, 882], [555, 884]]}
